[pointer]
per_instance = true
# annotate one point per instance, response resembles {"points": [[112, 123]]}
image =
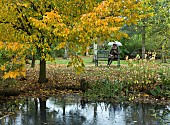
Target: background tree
{"points": [[110, 17], [147, 12], [160, 27], [156, 30]]}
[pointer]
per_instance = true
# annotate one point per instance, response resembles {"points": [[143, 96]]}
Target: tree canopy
{"points": [[44, 26]]}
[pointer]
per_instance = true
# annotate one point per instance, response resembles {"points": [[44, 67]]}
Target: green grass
{"points": [[57, 61], [88, 60]]}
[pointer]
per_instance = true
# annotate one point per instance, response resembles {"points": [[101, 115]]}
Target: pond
{"points": [[73, 110]]}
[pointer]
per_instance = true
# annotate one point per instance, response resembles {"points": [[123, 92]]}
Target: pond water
{"points": [[73, 110]]}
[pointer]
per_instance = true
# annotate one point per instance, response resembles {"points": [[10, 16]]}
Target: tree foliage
{"points": [[159, 29], [48, 25]]}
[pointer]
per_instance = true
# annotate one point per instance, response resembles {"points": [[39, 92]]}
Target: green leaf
{"points": [[158, 89], [153, 92]]}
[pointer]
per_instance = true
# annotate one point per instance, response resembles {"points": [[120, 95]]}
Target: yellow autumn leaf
{"points": [[60, 45], [145, 95], [11, 74], [6, 75], [1, 45], [2, 68], [15, 74]]}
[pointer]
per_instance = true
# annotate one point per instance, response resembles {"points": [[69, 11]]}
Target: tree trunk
{"points": [[33, 61], [94, 51], [65, 53], [87, 51], [163, 53], [42, 73], [143, 42]]}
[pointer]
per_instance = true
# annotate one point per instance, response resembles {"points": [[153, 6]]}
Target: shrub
{"points": [[138, 77]]}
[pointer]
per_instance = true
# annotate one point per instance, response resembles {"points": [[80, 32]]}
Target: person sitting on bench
{"points": [[113, 55]]}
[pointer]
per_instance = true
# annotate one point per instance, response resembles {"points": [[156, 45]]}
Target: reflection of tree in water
{"points": [[77, 111], [142, 114], [27, 111], [43, 111], [34, 112], [64, 111]]}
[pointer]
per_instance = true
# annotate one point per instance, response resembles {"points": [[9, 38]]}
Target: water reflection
{"points": [[72, 110]]}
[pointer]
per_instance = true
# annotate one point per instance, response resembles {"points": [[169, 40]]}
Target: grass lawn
{"points": [[88, 60]]}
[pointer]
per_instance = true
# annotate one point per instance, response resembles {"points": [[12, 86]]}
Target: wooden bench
{"points": [[102, 55]]}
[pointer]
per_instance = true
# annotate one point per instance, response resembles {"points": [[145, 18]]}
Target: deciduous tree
{"points": [[48, 25]]}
